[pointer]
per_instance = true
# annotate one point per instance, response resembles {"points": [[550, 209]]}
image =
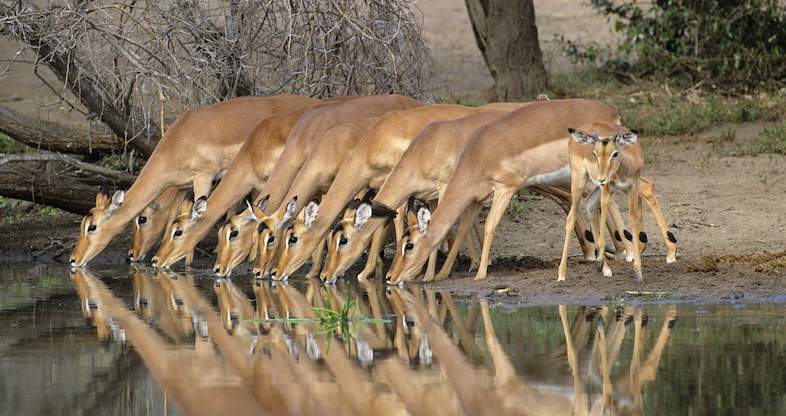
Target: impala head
{"points": [[175, 244], [350, 237], [145, 229], [296, 239], [269, 232], [95, 232], [403, 267], [608, 142], [237, 239]]}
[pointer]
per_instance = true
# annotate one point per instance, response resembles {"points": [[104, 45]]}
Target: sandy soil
{"points": [[717, 206]]}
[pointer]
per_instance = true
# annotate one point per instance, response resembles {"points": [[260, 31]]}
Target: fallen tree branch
{"points": [[55, 137], [57, 180]]}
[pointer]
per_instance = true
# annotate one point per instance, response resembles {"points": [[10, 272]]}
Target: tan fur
{"points": [[367, 167], [157, 215], [495, 162], [200, 144], [249, 171]]}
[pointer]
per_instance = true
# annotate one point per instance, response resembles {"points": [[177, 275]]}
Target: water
{"points": [[136, 342]]}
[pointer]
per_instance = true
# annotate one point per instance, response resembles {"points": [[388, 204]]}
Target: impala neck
{"points": [[234, 186], [306, 185], [150, 183], [289, 163]]}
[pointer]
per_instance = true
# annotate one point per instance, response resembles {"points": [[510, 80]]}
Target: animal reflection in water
{"points": [[418, 356]]}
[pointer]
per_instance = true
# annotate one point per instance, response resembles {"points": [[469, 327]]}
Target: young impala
{"points": [[151, 222], [307, 131], [611, 157], [195, 149]]}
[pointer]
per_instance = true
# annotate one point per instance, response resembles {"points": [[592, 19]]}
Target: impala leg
{"points": [[592, 208], [431, 266], [605, 196], [377, 244], [499, 204], [576, 186], [189, 259], [618, 234], [647, 190], [636, 225], [398, 223], [604, 364], [562, 199], [475, 242], [316, 260], [466, 222]]}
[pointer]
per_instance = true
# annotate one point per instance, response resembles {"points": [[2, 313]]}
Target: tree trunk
{"points": [[57, 180], [54, 137], [507, 36]]}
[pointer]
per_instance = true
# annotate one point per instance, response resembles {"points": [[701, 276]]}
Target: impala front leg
{"points": [[499, 204], [605, 196], [465, 224], [636, 225], [377, 245], [316, 260], [577, 182]]}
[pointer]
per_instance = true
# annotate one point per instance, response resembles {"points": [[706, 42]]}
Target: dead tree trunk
{"points": [[507, 36], [57, 180], [54, 137]]}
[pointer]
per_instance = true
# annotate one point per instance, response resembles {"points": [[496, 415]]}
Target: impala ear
{"points": [[102, 200], [262, 202], [117, 201], [311, 213], [581, 137], [379, 209], [252, 215], [424, 217], [199, 208], [362, 214], [290, 211], [627, 138], [154, 206]]}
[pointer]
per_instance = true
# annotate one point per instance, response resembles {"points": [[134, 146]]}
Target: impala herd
{"points": [[337, 177]]}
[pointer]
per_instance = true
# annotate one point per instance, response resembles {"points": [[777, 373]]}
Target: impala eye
{"points": [[141, 220], [91, 228], [271, 239], [342, 241], [409, 247], [232, 235], [177, 234], [615, 154], [292, 240]]}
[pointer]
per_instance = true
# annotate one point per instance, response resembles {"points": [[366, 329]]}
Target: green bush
{"points": [[726, 44], [771, 140]]}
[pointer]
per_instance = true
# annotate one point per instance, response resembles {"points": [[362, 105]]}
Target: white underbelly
{"points": [[558, 177]]}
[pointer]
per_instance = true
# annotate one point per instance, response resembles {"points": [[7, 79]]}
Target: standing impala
{"points": [[237, 238], [611, 157], [196, 148], [306, 132], [528, 149], [422, 173], [367, 167]]}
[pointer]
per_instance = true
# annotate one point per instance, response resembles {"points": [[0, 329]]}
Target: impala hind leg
{"points": [[577, 182], [636, 224], [499, 204], [617, 230], [647, 190], [466, 222]]}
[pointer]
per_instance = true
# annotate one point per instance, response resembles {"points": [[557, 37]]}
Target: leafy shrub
{"points": [[726, 44]]}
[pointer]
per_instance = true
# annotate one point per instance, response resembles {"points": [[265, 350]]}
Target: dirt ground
{"points": [[726, 212]]}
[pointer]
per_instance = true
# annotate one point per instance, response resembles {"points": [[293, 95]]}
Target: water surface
{"points": [[133, 341]]}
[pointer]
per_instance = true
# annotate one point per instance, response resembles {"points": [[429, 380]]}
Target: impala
{"points": [[306, 132], [238, 238], [366, 167], [195, 149], [422, 173], [151, 222], [525, 148], [611, 157]]}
